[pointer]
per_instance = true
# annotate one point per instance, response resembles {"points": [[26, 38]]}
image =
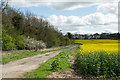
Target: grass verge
{"points": [[23, 54], [49, 66]]}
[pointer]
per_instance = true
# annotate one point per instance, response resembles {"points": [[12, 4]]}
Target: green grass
{"points": [[15, 55], [45, 69]]}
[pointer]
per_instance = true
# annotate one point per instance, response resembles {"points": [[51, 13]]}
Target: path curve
{"points": [[16, 69]]}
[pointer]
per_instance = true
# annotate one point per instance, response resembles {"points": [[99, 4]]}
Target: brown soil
{"points": [[72, 73]]}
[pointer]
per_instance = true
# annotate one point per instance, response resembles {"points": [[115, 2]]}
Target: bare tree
{"points": [[4, 5]]}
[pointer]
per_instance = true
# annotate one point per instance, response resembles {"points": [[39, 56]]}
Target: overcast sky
{"points": [[79, 16]]}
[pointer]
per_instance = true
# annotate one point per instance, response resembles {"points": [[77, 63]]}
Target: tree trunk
{"points": [[36, 48]]}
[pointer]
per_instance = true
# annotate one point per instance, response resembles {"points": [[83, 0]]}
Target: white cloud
{"points": [[65, 0], [26, 3], [59, 5], [108, 8], [75, 23], [92, 19], [55, 5], [110, 31], [69, 5], [100, 19]]}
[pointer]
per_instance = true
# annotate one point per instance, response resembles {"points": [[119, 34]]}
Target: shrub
{"points": [[31, 43], [8, 42], [19, 41], [55, 65], [12, 38]]}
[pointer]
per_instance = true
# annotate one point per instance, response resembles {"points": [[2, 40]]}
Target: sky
{"points": [[78, 16]]}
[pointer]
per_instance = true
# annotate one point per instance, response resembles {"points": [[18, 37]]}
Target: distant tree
{"points": [[86, 36], [118, 35], [17, 21], [69, 35], [4, 5], [103, 36], [96, 34], [67, 40]]}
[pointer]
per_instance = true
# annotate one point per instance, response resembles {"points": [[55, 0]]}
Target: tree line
{"points": [[18, 28], [114, 36]]}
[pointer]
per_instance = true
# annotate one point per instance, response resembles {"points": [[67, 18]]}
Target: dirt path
{"points": [[6, 53], [16, 69]]}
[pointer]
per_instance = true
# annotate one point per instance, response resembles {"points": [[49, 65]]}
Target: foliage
{"points": [[99, 58], [19, 26], [67, 40], [8, 42], [19, 42], [69, 35], [17, 21], [11, 38], [99, 63], [113, 36], [55, 65], [32, 43]]}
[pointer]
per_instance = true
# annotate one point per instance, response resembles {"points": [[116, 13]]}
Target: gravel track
{"points": [[16, 69]]}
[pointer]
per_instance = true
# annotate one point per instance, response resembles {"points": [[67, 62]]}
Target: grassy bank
{"points": [[57, 63], [23, 54]]}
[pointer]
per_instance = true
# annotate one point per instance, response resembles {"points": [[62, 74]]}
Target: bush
{"points": [[19, 41], [12, 38], [31, 43], [8, 42], [55, 65], [68, 41]]}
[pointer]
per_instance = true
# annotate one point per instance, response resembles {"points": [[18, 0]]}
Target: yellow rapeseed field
{"points": [[98, 45], [98, 57]]}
